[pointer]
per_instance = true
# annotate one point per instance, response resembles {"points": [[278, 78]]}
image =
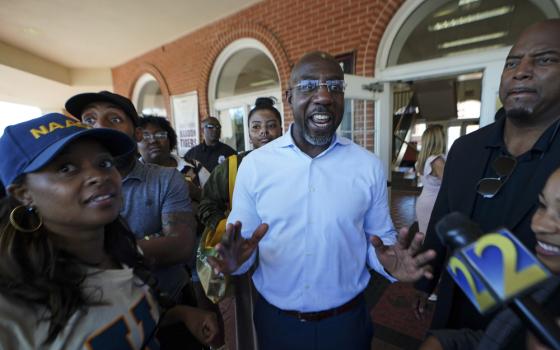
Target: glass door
{"points": [[233, 114], [233, 121]]}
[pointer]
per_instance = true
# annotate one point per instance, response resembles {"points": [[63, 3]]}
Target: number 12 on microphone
{"points": [[494, 269], [505, 264]]}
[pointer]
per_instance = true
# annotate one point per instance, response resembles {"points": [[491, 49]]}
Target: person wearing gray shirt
{"points": [[156, 200]]}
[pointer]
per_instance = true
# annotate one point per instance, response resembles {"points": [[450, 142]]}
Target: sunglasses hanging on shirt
{"points": [[503, 165]]}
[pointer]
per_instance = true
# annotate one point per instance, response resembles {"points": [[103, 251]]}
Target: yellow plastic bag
{"points": [[215, 285], [215, 237]]}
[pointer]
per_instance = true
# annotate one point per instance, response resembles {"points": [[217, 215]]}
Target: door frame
{"points": [[246, 101]]}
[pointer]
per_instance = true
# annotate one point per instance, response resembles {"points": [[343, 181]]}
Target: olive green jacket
{"points": [[214, 205]]}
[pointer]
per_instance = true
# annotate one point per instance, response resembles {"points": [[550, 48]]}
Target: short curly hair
{"points": [[163, 124]]}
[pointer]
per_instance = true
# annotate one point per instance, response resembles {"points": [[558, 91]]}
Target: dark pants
{"points": [[277, 331], [176, 336]]}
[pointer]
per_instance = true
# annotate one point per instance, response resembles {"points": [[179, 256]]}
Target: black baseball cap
{"points": [[76, 104]]}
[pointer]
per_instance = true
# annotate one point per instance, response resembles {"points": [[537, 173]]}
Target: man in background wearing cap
{"points": [[156, 202], [211, 151]]}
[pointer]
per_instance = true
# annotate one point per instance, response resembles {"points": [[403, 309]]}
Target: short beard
{"points": [[520, 116], [318, 140]]}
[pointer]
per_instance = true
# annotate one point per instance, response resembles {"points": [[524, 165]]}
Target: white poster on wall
{"points": [[185, 115]]}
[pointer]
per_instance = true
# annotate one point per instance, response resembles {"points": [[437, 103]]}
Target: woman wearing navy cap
{"points": [[71, 275]]}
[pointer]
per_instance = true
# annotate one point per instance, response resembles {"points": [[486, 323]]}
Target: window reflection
{"points": [[246, 71], [231, 120], [150, 100], [458, 27]]}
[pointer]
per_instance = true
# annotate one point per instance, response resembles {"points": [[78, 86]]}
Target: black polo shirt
{"points": [[210, 156], [491, 213]]}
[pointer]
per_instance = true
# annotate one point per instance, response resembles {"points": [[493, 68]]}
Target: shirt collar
{"points": [[138, 172], [206, 147], [546, 139], [541, 146], [497, 139]]}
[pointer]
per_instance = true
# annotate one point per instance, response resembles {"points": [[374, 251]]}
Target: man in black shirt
{"points": [[211, 151], [494, 175]]}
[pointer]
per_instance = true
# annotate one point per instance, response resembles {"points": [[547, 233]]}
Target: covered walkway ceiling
{"points": [[52, 49]]}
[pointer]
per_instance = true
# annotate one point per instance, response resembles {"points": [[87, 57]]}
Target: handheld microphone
{"points": [[496, 269]]}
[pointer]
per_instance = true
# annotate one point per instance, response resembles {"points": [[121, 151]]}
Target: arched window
{"points": [[148, 98], [446, 28], [246, 71], [243, 71]]}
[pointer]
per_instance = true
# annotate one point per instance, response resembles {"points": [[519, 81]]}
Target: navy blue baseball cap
{"points": [[29, 146]]}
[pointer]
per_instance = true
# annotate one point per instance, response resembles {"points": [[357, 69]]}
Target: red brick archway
{"points": [[369, 45], [144, 68], [231, 34]]}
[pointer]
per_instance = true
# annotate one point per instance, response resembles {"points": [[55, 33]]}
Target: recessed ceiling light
{"points": [[467, 2], [31, 31], [472, 40], [444, 13], [473, 50], [475, 17], [262, 82], [470, 76]]}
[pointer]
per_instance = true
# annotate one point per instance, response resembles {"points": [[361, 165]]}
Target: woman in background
{"points": [[430, 164], [159, 139]]}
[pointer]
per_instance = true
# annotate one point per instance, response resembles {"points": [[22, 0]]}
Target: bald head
{"points": [[529, 88], [549, 25], [313, 58]]}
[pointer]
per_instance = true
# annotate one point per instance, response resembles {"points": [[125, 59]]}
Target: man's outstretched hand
{"points": [[234, 250], [403, 260]]}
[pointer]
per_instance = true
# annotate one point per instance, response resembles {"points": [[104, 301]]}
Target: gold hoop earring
{"points": [[29, 211]]}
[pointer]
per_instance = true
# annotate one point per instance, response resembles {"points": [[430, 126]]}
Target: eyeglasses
{"points": [[488, 187], [309, 86], [160, 135], [212, 126]]}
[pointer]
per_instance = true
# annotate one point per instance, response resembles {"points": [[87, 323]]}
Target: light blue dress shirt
{"points": [[321, 212]]}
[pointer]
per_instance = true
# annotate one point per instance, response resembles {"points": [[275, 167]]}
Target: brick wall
{"points": [[288, 28]]}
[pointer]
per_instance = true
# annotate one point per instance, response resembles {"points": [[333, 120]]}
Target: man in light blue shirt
{"points": [[322, 199]]}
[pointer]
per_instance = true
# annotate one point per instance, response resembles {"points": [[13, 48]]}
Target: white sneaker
{"points": [[432, 297]]}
